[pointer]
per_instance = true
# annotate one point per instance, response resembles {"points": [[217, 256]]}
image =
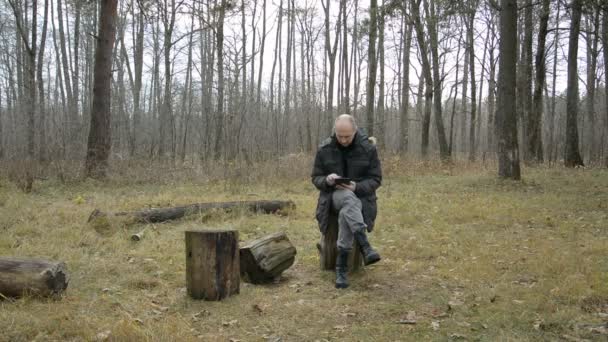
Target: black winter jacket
{"points": [[363, 166]]}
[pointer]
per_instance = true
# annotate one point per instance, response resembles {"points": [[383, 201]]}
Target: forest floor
{"points": [[465, 257]]}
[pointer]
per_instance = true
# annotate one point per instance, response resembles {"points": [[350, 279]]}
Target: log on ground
{"points": [[212, 264], [155, 215], [264, 259], [19, 277]]}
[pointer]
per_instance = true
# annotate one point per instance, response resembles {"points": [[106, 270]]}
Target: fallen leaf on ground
{"points": [[435, 325]]}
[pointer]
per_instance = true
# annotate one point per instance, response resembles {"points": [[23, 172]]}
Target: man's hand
{"points": [[331, 179], [352, 186]]}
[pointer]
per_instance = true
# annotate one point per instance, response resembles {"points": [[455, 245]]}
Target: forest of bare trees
{"points": [[188, 81]]}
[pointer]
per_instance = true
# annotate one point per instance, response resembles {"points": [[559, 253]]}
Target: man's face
{"points": [[345, 132]]}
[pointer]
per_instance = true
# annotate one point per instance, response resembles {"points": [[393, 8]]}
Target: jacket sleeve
{"points": [[318, 176], [373, 179]]}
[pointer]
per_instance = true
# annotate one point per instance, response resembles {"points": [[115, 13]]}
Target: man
{"points": [[348, 153]]}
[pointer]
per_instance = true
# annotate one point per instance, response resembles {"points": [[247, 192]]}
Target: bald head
{"points": [[345, 128]]}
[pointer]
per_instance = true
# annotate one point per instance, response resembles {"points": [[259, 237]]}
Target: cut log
{"points": [[138, 236], [154, 215], [328, 249], [36, 277], [212, 264], [264, 259]]}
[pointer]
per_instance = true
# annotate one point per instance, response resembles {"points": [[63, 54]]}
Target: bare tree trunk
{"points": [[405, 84], [381, 122], [471, 49], [605, 52], [186, 106], [72, 111], [450, 146], [220, 81], [465, 84], [372, 65], [506, 118], [592, 39], [572, 156], [42, 147], [138, 62], [535, 142], [426, 71], [491, 89], [551, 147], [345, 65], [444, 153], [261, 68], [99, 144], [331, 52]]}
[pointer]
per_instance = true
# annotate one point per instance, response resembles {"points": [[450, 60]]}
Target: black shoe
{"points": [[341, 269], [370, 256]]}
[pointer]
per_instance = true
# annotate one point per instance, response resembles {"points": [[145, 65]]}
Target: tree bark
{"points": [[535, 142], [372, 65], [471, 49], [19, 277], [432, 23], [99, 143], [219, 135], [405, 85], [605, 53], [506, 118], [572, 156], [264, 259], [212, 264]]}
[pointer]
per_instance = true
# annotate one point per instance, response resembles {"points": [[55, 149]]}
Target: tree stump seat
{"points": [[328, 249]]}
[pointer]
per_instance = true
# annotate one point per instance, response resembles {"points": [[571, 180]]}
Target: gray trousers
{"points": [[350, 217]]}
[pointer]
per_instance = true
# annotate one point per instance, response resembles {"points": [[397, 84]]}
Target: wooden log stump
{"points": [[36, 277], [328, 250], [212, 264], [155, 215], [264, 259]]}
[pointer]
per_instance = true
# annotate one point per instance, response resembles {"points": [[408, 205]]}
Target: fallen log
{"points": [[212, 264], [264, 259], [19, 277], [155, 215]]}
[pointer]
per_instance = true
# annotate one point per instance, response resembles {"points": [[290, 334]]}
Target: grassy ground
{"points": [[465, 256]]}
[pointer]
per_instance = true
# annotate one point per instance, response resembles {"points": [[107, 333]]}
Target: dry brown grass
{"points": [[465, 255]]}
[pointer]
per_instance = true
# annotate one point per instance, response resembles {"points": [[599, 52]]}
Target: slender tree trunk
{"points": [[372, 65], [605, 52], [444, 153], [471, 50], [506, 118], [42, 147], [72, 111], [405, 85], [428, 78], [450, 146], [535, 142], [572, 156], [551, 147], [99, 144], [465, 84], [381, 86], [220, 81], [592, 53], [491, 90], [138, 62]]}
